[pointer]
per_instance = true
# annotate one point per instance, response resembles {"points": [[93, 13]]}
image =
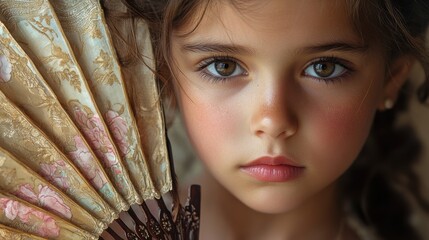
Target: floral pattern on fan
{"points": [[17, 179], [35, 26], [41, 105], [54, 173], [38, 221], [104, 71], [85, 28], [47, 197], [83, 157], [92, 127], [119, 129]]}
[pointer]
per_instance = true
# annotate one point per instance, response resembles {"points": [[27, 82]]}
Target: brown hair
{"points": [[399, 25], [373, 188]]}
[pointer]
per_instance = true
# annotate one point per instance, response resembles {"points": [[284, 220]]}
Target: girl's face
{"points": [[277, 97]]}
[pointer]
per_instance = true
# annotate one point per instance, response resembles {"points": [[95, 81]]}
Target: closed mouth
{"points": [[273, 169]]}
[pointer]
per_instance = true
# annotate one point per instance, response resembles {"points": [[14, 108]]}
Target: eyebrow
{"points": [[216, 47], [337, 46], [200, 47]]}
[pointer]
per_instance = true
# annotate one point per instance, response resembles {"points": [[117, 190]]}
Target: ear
{"points": [[396, 76]]}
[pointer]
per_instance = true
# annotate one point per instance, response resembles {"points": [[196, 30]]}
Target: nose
{"points": [[273, 115]]}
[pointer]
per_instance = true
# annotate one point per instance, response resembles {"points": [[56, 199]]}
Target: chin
{"points": [[268, 208], [269, 202]]}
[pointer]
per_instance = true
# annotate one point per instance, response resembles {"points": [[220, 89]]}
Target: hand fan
{"points": [[81, 139]]}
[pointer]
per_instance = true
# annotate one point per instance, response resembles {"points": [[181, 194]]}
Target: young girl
{"points": [[291, 106]]}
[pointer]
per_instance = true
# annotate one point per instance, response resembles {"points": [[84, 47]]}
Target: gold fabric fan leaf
{"points": [[26, 88], [85, 28], [26, 142], [39, 31], [19, 180], [15, 234], [29, 218], [144, 95]]}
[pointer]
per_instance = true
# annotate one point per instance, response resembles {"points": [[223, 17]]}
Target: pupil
{"points": [[324, 69], [225, 68]]}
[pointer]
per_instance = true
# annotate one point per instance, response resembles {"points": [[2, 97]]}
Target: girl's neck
{"points": [[225, 217]]}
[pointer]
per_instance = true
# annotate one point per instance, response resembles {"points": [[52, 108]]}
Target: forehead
{"points": [[271, 21]]}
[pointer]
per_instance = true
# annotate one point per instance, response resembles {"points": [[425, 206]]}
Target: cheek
{"points": [[340, 133], [346, 123], [339, 128], [210, 126]]}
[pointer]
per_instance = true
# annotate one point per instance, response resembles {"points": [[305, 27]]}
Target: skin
{"points": [[274, 105]]}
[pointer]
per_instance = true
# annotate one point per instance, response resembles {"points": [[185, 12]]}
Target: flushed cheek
{"points": [[339, 135]]}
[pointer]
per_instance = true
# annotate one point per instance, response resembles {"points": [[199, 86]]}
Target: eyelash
{"points": [[337, 61], [202, 66]]}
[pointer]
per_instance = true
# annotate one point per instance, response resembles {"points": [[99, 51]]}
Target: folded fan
{"points": [[76, 149]]}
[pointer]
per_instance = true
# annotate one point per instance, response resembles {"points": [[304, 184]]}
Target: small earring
{"points": [[388, 103]]}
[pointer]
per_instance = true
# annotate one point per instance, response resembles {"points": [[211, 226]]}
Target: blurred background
{"points": [[419, 117]]}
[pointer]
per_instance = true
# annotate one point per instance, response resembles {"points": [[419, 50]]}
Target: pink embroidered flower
{"points": [[51, 200], [5, 69], [96, 135], [54, 174], [92, 127], [82, 157], [47, 198], [9, 207], [47, 227], [81, 154], [26, 192], [13, 209], [24, 212], [43, 224], [119, 130]]}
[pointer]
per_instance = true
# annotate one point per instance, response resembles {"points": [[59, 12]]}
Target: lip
{"points": [[273, 169]]}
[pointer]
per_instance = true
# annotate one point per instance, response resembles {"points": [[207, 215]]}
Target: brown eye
{"points": [[225, 68], [324, 69], [222, 68]]}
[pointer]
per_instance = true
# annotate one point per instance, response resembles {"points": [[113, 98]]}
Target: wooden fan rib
{"points": [[185, 225]]}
